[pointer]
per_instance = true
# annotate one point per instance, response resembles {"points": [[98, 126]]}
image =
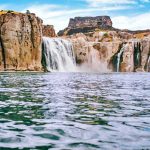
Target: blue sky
{"points": [[125, 14]]}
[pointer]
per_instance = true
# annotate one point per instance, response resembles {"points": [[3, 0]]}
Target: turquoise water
{"points": [[74, 111]]}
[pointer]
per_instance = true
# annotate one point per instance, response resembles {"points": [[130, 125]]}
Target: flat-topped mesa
{"points": [[86, 25], [99, 21]]}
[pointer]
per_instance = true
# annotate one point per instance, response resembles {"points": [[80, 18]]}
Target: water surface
{"points": [[74, 111]]}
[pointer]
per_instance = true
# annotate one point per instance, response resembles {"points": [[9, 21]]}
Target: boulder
{"points": [[49, 31]]}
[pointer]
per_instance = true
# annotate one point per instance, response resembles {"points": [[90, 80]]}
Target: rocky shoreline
{"points": [[95, 42]]}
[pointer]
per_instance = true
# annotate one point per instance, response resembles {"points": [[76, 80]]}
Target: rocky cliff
{"points": [[106, 51], [20, 42], [101, 47], [86, 24], [49, 31]]}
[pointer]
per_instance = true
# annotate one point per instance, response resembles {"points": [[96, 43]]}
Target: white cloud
{"points": [[139, 22], [97, 3], [59, 15], [145, 1]]}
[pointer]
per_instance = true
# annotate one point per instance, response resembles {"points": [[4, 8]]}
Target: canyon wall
{"points": [[20, 42]]}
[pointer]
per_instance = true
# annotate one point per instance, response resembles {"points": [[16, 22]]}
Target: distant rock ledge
{"points": [[86, 24]]}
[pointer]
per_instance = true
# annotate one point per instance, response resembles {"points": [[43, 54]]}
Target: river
{"points": [[75, 111]]}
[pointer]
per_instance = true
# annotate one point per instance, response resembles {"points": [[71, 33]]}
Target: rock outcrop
{"points": [[49, 31], [20, 42], [86, 24]]}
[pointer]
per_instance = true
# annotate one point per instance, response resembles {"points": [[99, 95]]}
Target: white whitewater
{"points": [[58, 55], [119, 57]]}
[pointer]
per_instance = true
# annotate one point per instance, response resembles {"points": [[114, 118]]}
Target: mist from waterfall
{"points": [[58, 55], [94, 63]]}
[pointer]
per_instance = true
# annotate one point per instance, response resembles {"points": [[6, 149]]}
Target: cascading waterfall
{"points": [[58, 55], [119, 57]]}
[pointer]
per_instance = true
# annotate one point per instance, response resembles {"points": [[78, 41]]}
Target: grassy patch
{"points": [[8, 11]]}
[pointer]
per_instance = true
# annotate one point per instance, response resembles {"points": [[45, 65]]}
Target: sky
{"points": [[125, 14]]}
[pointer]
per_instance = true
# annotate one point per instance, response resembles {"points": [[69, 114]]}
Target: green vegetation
{"points": [[7, 11]]}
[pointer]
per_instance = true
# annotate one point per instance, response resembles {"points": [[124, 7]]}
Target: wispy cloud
{"points": [[59, 15], [97, 3], [138, 22]]}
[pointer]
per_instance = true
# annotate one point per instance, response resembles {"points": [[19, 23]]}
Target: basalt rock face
{"points": [[20, 42], [86, 24], [49, 31]]}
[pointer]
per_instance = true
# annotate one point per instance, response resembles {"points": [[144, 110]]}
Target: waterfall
{"points": [[119, 57], [137, 55], [58, 55]]}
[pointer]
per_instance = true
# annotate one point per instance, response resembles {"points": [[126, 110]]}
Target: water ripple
{"points": [[74, 111]]}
